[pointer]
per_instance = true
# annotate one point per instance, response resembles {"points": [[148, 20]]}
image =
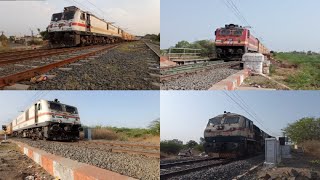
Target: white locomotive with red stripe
{"points": [[49, 120], [75, 27]]}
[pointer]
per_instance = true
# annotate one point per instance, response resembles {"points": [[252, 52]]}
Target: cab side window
{"points": [[83, 16], [39, 106]]}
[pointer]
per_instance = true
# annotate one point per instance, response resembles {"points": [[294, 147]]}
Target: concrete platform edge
{"points": [[232, 82], [64, 168]]}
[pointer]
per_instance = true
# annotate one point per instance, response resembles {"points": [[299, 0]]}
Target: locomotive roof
{"points": [[229, 114], [235, 114], [88, 12]]}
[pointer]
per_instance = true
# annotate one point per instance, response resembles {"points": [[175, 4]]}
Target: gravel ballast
{"points": [[136, 166], [198, 81], [127, 66]]}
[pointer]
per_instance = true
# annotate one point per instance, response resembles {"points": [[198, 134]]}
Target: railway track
{"points": [[29, 55], [154, 66], [11, 73], [154, 47], [169, 170], [167, 73]]}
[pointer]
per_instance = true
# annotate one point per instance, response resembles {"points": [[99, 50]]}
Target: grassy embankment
{"points": [[304, 72], [150, 134]]}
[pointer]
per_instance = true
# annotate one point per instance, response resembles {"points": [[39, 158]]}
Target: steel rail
{"points": [[153, 48], [34, 55], [167, 165], [13, 78], [192, 169]]}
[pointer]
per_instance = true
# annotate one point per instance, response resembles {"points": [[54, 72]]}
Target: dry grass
{"points": [[122, 135], [104, 134], [312, 148], [147, 138]]}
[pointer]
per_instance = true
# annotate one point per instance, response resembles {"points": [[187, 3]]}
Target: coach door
{"points": [[36, 108], [88, 23]]}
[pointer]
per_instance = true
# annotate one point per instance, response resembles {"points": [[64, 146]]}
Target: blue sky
{"points": [[110, 108], [284, 25], [17, 17], [185, 114]]}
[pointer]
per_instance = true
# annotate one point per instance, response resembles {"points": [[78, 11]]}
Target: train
{"points": [[233, 135], [233, 41], [75, 27], [47, 120]]}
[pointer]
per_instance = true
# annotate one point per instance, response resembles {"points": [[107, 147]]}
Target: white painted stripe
{"points": [[37, 158], [25, 151], [62, 172]]}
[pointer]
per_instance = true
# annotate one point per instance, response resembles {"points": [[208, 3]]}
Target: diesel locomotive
{"points": [[233, 135]]}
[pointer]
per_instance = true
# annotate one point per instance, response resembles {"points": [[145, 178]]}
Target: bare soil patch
{"points": [[14, 165]]}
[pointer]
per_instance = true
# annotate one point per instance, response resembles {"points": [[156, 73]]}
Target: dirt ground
{"points": [[261, 82], [15, 166], [300, 166]]}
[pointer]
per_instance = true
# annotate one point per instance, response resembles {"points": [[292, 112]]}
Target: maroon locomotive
{"points": [[232, 41]]}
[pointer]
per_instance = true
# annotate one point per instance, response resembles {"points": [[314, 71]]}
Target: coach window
{"points": [[83, 16], [107, 26]]}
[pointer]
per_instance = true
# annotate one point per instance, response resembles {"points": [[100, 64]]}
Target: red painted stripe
{"points": [[79, 24], [44, 114]]}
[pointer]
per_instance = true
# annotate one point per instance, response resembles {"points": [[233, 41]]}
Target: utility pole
{"points": [[31, 33]]}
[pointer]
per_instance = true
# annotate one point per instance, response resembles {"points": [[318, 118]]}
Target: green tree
{"points": [[171, 146], [155, 127], [191, 144], [304, 129], [183, 44]]}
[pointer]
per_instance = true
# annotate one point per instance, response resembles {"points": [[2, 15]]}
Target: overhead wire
{"points": [[235, 10], [248, 112]]}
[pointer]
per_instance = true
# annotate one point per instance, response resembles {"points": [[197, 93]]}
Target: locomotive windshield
{"points": [[231, 120], [214, 121], [68, 15], [56, 17], [225, 32], [237, 32], [55, 106], [71, 110]]}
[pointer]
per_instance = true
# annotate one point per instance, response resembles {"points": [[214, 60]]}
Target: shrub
{"points": [[103, 133], [170, 147], [312, 148]]}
